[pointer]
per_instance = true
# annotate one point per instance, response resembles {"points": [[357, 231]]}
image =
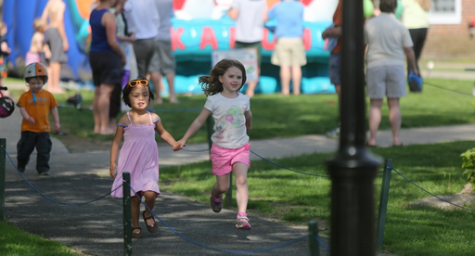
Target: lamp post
{"points": [[353, 168]]}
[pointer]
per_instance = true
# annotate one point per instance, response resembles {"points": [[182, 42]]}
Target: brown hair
{"points": [[211, 84], [127, 89]]}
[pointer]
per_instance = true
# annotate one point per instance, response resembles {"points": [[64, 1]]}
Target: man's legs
{"points": [[296, 79], [54, 76], [285, 79]]}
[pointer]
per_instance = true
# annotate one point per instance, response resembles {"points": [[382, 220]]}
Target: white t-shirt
{"points": [[386, 37], [229, 120], [250, 21], [142, 18]]}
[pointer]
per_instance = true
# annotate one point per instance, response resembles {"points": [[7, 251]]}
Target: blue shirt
{"points": [[99, 41], [289, 15]]}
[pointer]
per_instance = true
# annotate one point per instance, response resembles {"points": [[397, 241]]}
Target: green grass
{"points": [[295, 199], [16, 242], [276, 116]]}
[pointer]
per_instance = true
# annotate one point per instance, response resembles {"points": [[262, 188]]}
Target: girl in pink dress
{"points": [[139, 153]]}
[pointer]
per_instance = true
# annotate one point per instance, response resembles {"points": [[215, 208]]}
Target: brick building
{"points": [[449, 34]]}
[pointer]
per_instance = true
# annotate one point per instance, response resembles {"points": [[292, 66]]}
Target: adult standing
{"points": [[335, 59], [143, 20], [415, 17], [388, 42], [55, 38], [106, 59], [163, 61], [250, 16], [289, 51]]}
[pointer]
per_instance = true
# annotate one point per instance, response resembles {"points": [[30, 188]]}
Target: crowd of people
{"points": [[127, 32]]}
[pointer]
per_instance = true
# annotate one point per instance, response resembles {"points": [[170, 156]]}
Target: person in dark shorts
{"points": [[106, 59]]}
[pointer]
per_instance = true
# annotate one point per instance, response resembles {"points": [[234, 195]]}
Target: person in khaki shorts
{"points": [[289, 51]]}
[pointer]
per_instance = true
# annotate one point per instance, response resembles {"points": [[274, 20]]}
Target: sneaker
{"points": [[216, 203], [242, 222], [335, 133]]}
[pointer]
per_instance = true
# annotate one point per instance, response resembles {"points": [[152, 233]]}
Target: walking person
{"points": [[163, 62], [139, 153], [143, 20], [35, 106], [106, 59], [334, 32], [388, 43], [289, 52], [415, 17], [250, 16], [232, 120]]}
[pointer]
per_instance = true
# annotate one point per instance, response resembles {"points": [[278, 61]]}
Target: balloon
{"points": [[368, 8], [399, 10]]}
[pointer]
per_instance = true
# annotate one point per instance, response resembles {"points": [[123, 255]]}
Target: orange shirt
{"points": [[338, 21], [39, 110]]}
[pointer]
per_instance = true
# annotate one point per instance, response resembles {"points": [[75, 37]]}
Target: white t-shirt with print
{"points": [[229, 120]]}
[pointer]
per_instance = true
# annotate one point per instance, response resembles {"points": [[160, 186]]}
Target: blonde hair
{"points": [[39, 23]]}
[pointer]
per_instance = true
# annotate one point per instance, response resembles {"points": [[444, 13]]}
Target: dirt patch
{"points": [[463, 198]]}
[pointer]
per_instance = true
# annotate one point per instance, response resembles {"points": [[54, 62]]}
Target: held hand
{"points": [[177, 146], [112, 170], [182, 143]]}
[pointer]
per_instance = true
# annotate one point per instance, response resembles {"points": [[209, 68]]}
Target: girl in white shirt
{"points": [[232, 120]]}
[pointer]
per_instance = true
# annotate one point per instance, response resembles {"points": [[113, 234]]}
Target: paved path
{"points": [[95, 228]]}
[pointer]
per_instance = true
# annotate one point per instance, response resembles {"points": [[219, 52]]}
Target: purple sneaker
{"points": [[216, 203]]}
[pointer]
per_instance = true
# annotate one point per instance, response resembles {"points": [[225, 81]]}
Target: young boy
{"points": [[35, 106]]}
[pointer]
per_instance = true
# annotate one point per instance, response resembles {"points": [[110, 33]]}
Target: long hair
{"points": [[211, 84]]}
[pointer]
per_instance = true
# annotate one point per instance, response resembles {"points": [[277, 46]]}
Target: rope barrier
{"points": [[438, 197], [325, 247], [49, 198], [454, 91], [209, 247], [283, 167]]}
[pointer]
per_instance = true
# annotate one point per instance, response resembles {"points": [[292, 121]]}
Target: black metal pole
{"points": [[353, 168], [3, 152], [127, 219]]}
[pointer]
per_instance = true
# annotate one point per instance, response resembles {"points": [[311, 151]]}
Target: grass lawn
{"points": [[276, 116], [295, 198], [16, 242]]}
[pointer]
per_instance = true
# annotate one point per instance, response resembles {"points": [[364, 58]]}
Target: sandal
{"points": [[153, 228], [137, 235]]}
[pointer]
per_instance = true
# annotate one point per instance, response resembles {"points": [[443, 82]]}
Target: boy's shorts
{"points": [[224, 158]]}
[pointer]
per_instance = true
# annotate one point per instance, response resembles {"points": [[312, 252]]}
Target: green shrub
{"points": [[468, 164]]}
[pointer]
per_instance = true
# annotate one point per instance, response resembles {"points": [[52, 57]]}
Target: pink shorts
{"points": [[224, 158]]}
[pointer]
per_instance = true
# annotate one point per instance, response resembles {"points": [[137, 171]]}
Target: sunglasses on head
{"points": [[134, 83]]}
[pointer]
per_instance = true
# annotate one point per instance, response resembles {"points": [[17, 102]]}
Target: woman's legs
{"points": [[103, 108], [395, 119], [95, 110], [374, 119]]}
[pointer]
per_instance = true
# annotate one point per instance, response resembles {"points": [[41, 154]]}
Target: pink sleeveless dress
{"points": [[139, 157]]}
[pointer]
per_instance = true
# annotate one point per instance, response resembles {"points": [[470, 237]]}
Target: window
{"points": [[445, 12]]}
